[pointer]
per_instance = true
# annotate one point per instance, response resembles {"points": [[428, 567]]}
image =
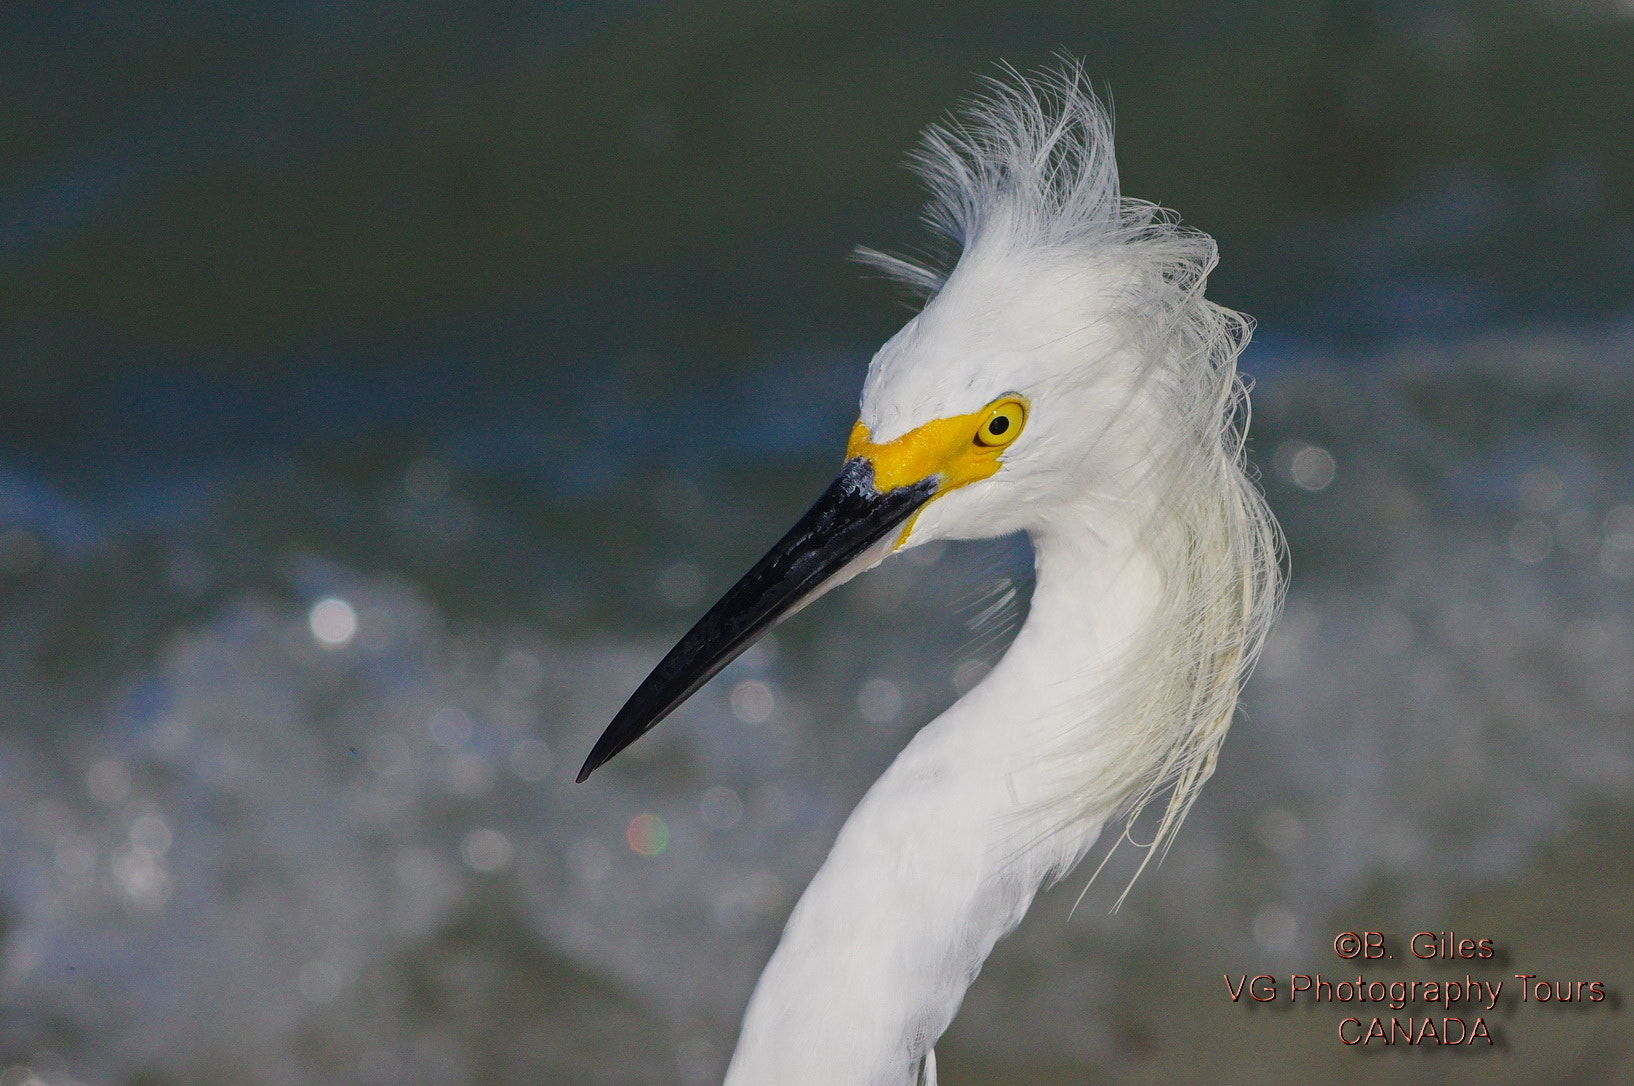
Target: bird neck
{"points": [[945, 853]]}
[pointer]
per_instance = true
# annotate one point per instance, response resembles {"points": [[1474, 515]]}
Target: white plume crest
{"points": [[1028, 174], [1034, 157]]}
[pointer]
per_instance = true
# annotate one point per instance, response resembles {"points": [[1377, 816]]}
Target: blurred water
{"points": [[325, 553]]}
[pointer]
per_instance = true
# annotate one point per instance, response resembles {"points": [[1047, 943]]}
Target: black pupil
{"points": [[998, 425]]}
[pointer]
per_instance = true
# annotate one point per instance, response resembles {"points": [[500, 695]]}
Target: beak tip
{"points": [[612, 741]]}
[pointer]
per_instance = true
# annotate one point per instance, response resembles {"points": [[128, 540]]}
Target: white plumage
{"points": [[1157, 580], [1157, 576]]}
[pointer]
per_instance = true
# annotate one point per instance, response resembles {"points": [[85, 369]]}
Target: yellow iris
{"points": [[1003, 423]]}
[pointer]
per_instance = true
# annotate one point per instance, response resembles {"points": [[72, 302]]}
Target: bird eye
{"points": [[1003, 422]]}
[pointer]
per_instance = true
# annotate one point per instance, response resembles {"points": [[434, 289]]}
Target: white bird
{"points": [[1066, 378]]}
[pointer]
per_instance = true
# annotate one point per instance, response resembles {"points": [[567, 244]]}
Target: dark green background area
{"points": [[237, 188]]}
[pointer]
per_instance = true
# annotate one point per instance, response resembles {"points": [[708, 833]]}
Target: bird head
{"points": [[1019, 385], [972, 424]]}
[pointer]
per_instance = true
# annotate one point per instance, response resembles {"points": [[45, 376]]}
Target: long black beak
{"points": [[849, 519]]}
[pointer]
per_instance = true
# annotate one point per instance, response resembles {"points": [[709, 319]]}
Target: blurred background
{"points": [[384, 386]]}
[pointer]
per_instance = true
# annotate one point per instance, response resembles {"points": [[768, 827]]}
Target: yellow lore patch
{"points": [[957, 450]]}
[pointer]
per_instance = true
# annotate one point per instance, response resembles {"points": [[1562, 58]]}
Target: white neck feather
{"points": [[945, 853]]}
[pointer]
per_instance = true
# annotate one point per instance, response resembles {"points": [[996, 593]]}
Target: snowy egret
{"points": [[1066, 378]]}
